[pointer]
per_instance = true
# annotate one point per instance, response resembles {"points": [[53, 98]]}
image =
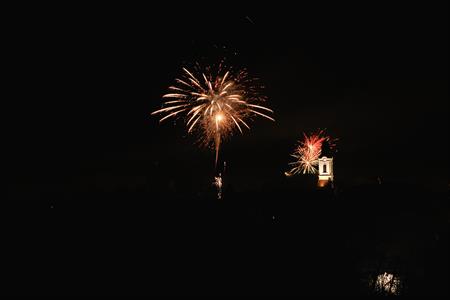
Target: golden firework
{"points": [[214, 103]]}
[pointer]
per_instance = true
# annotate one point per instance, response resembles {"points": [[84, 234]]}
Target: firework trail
{"points": [[308, 152], [215, 103]]}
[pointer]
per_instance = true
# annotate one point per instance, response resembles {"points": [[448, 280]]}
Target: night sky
{"points": [[87, 78], [374, 76]]}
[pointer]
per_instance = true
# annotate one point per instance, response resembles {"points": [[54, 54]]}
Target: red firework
{"points": [[308, 152]]}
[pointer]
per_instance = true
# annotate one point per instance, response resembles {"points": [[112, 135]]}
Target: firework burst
{"points": [[214, 103], [308, 152]]}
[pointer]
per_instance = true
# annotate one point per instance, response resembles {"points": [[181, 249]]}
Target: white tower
{"points": [[325, 171]]}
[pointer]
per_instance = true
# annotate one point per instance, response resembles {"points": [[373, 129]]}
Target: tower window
{"points": [[324, 168]]}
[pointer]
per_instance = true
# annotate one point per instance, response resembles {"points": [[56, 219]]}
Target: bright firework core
{"points": [[219, 117]]}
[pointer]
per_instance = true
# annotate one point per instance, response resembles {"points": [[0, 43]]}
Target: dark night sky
{"points": [[376, 76], [102, 199]]}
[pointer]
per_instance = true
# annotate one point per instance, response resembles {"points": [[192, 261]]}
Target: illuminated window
{"points": [[324, 168]]}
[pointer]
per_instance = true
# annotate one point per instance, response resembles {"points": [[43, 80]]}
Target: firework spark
{"points": [[308, 152], [214, 103], [218, 184]]}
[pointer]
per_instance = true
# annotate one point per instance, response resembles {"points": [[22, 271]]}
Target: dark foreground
{"points": [[289, 241]]}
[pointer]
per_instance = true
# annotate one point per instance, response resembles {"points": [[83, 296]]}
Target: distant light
{"points": [[387, 284]]}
